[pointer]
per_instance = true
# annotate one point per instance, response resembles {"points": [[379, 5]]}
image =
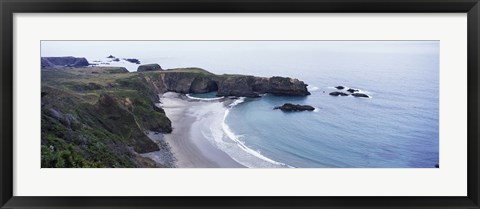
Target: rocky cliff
{"points": [[195, 80], [57, 62], [101, 116], [94, 118]]}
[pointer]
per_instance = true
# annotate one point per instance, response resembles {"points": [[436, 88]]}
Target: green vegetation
{"points": [[231, 76], [150, 65], [100, 116], [188, 70], [98, 119]]}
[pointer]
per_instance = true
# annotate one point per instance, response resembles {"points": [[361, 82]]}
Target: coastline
{"points": [[188, 144]]}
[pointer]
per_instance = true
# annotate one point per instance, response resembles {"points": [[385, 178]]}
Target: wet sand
{"points": [[189, 146]]}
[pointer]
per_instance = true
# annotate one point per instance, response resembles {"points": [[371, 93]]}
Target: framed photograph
{"points": [[239, 104]]}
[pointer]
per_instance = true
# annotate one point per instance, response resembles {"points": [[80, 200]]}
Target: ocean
{"points": [[397, 127]]}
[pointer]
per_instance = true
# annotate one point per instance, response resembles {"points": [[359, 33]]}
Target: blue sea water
{"points": [[398, 127]]}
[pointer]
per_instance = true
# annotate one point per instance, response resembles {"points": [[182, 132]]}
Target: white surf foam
{"points": [[237, 102], [312, 88], [221, 136], [203, 99], [229, 133], [358, 91]]}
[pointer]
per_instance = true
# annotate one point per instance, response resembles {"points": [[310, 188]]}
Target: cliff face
{"points": [[287, 86], [100, 116], [57, 62], [250, 86], [104, 125], [104, 133], [229, 85]]}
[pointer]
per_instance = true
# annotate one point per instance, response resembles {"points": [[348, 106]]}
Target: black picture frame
{"points": [[9, 7]]}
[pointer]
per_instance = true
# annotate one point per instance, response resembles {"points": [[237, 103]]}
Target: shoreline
{"points": [[188, 143]]}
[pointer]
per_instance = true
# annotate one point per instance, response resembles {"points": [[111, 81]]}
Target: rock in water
{"points": [[277, 85], [337, 93], [339, 87], [149, 67], [352, 90], [133, 60], [111, 57], [360, 95], [288, 107]]}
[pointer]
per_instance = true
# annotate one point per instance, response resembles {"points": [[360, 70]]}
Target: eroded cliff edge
{"points": [[101, 116], [196, 80]]}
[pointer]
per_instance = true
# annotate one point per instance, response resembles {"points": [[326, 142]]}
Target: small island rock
{"points": [[339, 87], [288, 107], [360, 95], [352, 90], [337, 93], [132, 60]]}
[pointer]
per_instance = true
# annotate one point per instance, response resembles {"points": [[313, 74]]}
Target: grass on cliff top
{"points": [[150, 65], [90, 70], [188, 70], [90, 81], [229, 76], [97, 75], [89, 88]]}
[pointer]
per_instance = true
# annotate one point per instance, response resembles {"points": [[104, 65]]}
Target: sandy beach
{"points": [[188, 143]]}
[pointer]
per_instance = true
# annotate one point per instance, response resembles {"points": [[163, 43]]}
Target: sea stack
{"points": [[288, 107]]}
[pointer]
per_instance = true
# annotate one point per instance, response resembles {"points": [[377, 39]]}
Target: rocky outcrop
{"points": [[132, 60], [196, 80], [179, 82], [352, 90], [149, 67], [106, 100], [242, 86], [286, 86], [250, 86], [59, 62], [360, 95], [337, 93], [288, 107], [203, 85]]}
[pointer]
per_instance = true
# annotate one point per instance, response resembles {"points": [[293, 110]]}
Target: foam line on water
{"points": [[358, 91], [203, 99], [237, 102], [312, 88], [229, 133]]}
